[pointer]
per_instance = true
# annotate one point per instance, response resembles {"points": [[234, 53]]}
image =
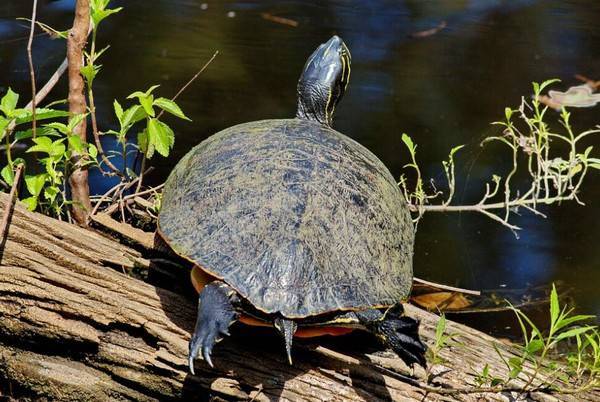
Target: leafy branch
{"points": [[555, 173], [62, 152]]}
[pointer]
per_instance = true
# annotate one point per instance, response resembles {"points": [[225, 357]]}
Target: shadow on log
{"points": [[74, 326]]}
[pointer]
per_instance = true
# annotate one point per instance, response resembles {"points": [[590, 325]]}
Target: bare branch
{"points": [[555, 174]]}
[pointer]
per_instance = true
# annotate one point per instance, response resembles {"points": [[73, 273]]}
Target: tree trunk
{"points": [[78, 180], [75, 327]]}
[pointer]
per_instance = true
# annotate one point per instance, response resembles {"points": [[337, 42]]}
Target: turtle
{"points": [[293, 225]]}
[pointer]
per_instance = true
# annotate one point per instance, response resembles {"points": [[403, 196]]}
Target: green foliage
{"points": [[56, 144], [45, 189], [553, 160], [156, 135], [580, 370], [442, 340], [564, 327], [57, 161], [99, 11]]}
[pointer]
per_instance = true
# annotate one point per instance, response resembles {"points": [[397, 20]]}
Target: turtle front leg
{"points": [[216, 312], [397, 331]]}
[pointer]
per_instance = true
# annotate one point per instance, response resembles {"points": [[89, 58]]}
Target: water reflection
{"points": [[443, 89]]}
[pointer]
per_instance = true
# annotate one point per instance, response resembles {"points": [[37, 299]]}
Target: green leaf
{"points": [[533, 346], [516, 366], [409, 144], [160, 136], [51, 192], [534, 329], [132, 116], [3, 124], [99, 11], [139, 94], [171, 107], [101, 52], [42, 114], [92, 151], [75, 121], [30, 203], [8, 175], [440, 329], [89, 72], [60, 127], [41, 132], [57, 150], [486, 371], [146, 103], [554, 307], [9, 102], [55, 175], [572, 333], [508, 113], [76, 144], [118, 111], [546, 83], [43, 144], [142, 142], [496, 381], [35, 184]]}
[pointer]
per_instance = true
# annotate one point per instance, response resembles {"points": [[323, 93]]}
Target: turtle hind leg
{"points": [[397, 331], [216, 312]]}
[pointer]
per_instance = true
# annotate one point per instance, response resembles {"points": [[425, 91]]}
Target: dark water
{"points": [[443, 90]]}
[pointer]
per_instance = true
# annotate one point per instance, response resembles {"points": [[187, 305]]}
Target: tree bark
{"points": [[78, 180], [75, 326]]}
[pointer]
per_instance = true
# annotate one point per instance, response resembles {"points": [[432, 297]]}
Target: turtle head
{"points": [[323, 81]]}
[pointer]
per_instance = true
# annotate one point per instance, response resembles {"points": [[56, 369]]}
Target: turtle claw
{"points": [[206, 355], [215, 314], [401, 334], [397, 331]]}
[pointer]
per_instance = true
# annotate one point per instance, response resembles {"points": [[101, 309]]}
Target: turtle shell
{"points": [[298, 218]]}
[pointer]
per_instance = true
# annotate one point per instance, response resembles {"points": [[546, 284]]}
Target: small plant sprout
{"points": [[553, 161], [582, 371], [442, 340]]}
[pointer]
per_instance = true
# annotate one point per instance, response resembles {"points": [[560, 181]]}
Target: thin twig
{"points": [[49, 85], [446, 287], [183, 88], [42, 93], [31, 70], [105, 197], [497, 205], [8, 208], [150, 190], [114, 170]]}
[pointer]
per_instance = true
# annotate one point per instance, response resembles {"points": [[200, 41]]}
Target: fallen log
{"points": [[75, 326]]}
